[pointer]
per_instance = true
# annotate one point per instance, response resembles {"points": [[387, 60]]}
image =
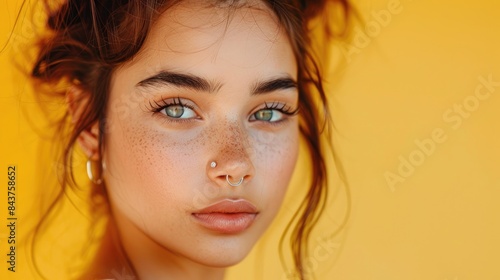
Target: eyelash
{"points": [[280, 107], [283, 108], [157, 106]]}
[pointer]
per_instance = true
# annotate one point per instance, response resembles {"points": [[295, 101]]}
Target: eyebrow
{"points": [[200, 84], [274, 84], [180, 80]]}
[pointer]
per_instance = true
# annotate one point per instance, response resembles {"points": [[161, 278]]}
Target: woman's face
{"points": [[209, 85]]}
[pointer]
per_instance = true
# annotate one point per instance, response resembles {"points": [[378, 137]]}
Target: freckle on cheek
{"points": [[162, 147]]}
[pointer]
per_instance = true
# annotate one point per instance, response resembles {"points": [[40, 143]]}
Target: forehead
{"points": [[193, 31], [205, 20]]}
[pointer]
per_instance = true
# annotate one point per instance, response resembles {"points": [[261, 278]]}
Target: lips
{"points": [[227, 216]]}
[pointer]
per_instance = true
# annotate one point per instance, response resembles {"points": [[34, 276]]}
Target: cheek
{"points": [[275, 157], [276, 151], [147, 168]]}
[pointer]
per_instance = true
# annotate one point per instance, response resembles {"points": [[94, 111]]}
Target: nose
{"points": [[231, 164]]}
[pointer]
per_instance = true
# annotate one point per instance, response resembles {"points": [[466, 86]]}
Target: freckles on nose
{"points": [[230, 141]]}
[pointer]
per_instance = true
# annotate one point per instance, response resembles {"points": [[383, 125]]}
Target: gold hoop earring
{"points": [[91, 175]]}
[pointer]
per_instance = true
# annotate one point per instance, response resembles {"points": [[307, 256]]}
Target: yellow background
{"points": [[440, 221]]}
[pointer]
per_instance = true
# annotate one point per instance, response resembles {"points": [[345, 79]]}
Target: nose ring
{"points": [[234, 184]]}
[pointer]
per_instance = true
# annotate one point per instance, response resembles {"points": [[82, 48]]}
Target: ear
{"points": [[77, 100]]}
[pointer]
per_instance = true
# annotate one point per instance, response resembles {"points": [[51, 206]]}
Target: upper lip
{"points": [[229, 206]]}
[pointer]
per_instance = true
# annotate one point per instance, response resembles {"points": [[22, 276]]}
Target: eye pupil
{"points": [[264, 115], [174, 111]]}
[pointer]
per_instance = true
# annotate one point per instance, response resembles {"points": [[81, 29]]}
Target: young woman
{"points": [[190, 114]]}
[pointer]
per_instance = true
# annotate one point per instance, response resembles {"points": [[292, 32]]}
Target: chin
{"points": [[224, 253], [223, 261]]}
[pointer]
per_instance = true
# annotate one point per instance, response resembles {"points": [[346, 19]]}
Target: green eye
{"points": [[178, 112], [268, 115], [264, 115], [175, 111]]}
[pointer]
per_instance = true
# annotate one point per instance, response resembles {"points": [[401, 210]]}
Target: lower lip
{"points": [[228, 223]]}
